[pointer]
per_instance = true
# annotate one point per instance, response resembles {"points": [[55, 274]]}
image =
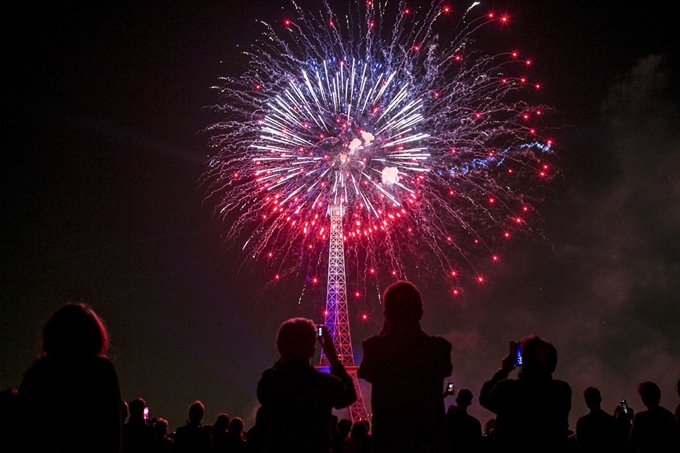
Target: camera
{"points": [[516, 352], [624, 406], [319, 330]]}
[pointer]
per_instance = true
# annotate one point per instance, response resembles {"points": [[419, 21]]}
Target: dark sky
{"points": [[100, 202]]}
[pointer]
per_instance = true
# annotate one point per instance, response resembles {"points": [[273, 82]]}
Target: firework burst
{"points": [[426, 141]]}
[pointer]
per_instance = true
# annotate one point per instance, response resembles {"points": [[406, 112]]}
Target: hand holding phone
{"points": [[327, 344], [516, 353]]}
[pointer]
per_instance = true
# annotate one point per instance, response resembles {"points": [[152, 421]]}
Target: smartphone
{"points": [[146, 413], [516, 352], [319, 330], [624, 406], [449, 387]]}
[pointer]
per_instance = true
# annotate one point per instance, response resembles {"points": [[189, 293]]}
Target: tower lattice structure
{"points": [[337, 316]]}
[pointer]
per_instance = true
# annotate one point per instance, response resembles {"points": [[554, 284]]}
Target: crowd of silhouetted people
{"points": [[406, 367]]}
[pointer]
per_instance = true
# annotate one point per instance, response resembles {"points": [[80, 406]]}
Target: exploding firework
{"points": [[394, 113]]}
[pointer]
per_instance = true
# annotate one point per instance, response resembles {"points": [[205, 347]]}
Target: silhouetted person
{"points": [[359, 440], [9, 418], [341, 432], [655, 429], [297, 399], [71, 392], [193, 436], [532, 412], [624, 418], [236, 437], [163, 440], [138, 435], [254, 436], [219, 434], [406, 368], [599, 431], [464, 430], [489, 436]]}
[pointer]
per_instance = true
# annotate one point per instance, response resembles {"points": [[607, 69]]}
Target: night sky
{"points": [[103, 151]]}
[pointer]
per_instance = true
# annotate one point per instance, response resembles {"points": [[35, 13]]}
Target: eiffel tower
{"points": [[337, 317]]}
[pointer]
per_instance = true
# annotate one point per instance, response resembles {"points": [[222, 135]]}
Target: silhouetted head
{"points": [[650, 393], [344, 427], [359, 429], [296, 340], [74, 329], [464, 397], [160, 426], [222, 422], [538, 355], [136, 408], [489, 427], [196, 412], [592, 397], [236, 425], [403, 302]]}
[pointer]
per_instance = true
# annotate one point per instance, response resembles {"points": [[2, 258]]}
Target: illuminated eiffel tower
{"points": [[337, 317]]}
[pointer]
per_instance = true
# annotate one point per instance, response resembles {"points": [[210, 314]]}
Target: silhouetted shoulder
{"points": [[441, 342], [77, 374], [373, 341]]}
